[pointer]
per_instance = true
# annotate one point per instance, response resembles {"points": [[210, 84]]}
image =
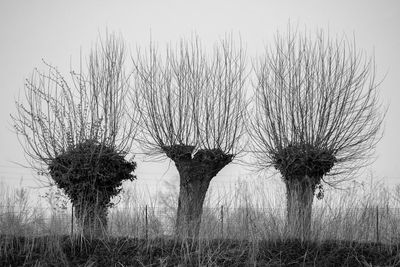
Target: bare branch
{"points": [[192, 99], [57, 113], [319, 93]]}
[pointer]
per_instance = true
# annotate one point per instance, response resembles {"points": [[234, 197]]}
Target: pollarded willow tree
{"points": [[192, 107], [78, 131], [316, 117]]}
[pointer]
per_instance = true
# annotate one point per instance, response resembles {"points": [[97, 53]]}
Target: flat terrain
{"points": [[66, 251]]}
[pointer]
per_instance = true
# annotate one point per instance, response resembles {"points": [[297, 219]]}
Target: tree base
{"points": [[190, 208], [91, 221], [299, 196]]}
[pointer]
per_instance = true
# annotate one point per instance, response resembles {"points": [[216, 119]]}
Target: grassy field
{"points": [[245, 226]]}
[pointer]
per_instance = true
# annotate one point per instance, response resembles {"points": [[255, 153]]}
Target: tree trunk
{"points": [[190, 206], [195, 173], [299, 195], [91, 219]]}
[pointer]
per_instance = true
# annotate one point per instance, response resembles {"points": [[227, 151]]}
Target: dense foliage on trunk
{"points": [[90, 175], [90, 167]]}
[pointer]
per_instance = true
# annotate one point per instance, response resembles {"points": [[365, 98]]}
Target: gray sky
{"points": [[58, 30]]}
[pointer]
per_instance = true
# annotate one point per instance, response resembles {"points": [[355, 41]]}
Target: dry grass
{"points": [[243, 225]]}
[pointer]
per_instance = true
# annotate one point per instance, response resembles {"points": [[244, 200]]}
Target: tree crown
{"points": [[320, 97], [60, 113], [190, 99]]}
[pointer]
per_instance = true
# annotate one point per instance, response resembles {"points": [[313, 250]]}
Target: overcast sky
{"points": [[58, 30]]}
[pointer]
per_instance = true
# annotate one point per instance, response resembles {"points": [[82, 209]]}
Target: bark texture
{"points": [[300, 196], [196, 173], [190, 207]]}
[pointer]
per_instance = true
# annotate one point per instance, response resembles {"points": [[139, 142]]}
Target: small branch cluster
{"points": [[204, 164], [184, 153], [297, 161]]}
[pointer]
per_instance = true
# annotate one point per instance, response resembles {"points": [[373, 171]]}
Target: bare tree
{"points": [[192, 107], [316, 117], [77, 131]]}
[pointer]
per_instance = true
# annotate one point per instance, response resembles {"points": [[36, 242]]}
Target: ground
{"points": [[67, 251]]}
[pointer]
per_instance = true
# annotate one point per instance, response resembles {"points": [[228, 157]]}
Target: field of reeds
{"points": [[242, 225]]}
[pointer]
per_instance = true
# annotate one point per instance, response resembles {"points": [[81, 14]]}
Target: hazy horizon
{"points": [[59, 32]]}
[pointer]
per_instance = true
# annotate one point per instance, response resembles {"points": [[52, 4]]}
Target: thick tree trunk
{"points": [[299, 195], [91, 220], [190, 206], [195, 172]]}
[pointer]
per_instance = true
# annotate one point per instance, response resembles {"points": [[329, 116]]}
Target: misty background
{"points": [[61, 32]]}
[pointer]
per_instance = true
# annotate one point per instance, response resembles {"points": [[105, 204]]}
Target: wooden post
{"points": [[72, 220], [377, 224], [247, 222], [147, 224], [222, 221]]}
